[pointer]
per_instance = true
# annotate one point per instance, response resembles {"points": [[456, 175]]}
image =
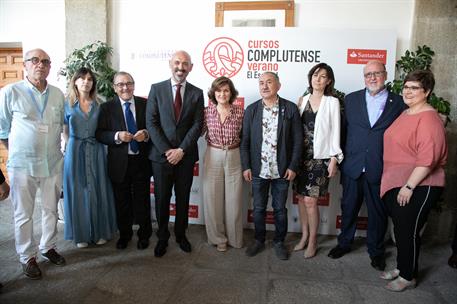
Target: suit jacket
{"points": [[111, 120], [167, 133], [364, 144], [290, 137]]}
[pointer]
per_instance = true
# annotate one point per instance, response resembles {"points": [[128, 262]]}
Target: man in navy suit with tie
{"points": [[368, 113], [174, 117], [122, 126]]}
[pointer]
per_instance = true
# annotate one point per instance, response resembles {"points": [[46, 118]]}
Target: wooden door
{"points": [[11, 70]]}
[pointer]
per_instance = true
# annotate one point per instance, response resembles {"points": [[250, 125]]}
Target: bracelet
{"points": [[409, 187]]}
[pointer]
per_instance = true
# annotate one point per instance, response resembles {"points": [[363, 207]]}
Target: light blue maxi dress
{"points": [[88, 196]]}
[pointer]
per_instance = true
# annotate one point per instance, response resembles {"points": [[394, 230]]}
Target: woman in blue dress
{"points": [[88, 196]]}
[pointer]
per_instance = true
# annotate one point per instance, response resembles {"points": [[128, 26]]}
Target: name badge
{"points": [[43, 128]]}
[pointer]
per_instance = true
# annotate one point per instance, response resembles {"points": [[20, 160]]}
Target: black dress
{"points": [[312, 179]]}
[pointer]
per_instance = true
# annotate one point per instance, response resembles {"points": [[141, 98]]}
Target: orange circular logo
{"points": [[223, 57]]}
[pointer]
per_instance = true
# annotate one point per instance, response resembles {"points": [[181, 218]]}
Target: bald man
{"points": [[368, 113], [31, 119], [174, 115]]}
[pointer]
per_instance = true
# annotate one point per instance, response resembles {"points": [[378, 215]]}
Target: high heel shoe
{"points": [[400, 284], [390, 275], [310, 251], [301, 245]]}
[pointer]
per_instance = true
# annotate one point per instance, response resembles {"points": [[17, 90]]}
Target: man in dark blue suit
{"points": [[129, 168], [270, 150], [368, 113], [174, 115]]}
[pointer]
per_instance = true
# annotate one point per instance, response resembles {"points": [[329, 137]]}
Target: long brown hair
{"points": [[73, 93]]}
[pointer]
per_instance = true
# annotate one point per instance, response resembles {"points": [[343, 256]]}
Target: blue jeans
{"points": [[279, 191]]}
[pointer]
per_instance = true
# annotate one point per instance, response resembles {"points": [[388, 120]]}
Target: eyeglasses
{"points": [[120, 85], [36, 61], [374, 74], [411, 88]]}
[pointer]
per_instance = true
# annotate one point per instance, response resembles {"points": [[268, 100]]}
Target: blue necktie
{"points": [[131, 126]]}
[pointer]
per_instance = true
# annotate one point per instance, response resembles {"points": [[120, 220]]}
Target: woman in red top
{"points": [[222, 177], [415, 152]]}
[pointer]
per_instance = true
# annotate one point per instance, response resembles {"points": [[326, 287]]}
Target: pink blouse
{"points": [[227, 133], [416, 140]]}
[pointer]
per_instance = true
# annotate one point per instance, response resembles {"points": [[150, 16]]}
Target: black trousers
{"points": [[408, 221], [167, 177], [133, 200]]}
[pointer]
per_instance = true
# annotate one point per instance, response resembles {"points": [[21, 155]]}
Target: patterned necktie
{"points": [[178, 102], [131, 126]]}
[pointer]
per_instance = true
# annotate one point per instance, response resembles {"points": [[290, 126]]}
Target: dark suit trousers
{"points": [[354, 193], [408, 221], [133, 200], [167, 176]]}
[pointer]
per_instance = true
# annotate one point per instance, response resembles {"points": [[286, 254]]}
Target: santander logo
{"points": [[223, 57], [362, 56]]}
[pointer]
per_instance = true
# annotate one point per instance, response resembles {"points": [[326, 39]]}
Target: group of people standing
{"points": [[391, 155]]}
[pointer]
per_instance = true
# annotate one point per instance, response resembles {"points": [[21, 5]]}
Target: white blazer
{"points": [[326, 128]]}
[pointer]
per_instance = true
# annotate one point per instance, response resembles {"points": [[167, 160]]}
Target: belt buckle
{"points": [[224, 147]]}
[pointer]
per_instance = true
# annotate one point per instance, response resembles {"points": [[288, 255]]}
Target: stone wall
{"points": [[85, 23], [435, 24]]}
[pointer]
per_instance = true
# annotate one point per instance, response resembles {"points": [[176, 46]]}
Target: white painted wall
{"points": [[145, 19], [35, 24], [41, 23]]}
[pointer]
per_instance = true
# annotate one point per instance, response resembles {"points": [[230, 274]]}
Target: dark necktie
{"points": [[131, 126], [178, 102]]}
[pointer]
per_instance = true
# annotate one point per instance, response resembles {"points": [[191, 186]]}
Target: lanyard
{"points": [[37, 105]]}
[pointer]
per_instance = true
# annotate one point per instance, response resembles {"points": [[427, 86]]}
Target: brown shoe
{"points": [[31, 269], [54, 257]]}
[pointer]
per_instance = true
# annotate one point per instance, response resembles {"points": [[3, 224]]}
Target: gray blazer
{"points": [[167, 133], [290, 137]]}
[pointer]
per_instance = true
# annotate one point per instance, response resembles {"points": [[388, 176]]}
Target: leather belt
{"points": [[229, 147]]}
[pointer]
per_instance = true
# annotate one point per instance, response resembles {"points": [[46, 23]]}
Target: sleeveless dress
{"points": [[312, 179], [88, 196]]}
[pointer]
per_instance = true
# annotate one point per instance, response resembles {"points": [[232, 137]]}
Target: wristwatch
{"points": [[409, 187]]}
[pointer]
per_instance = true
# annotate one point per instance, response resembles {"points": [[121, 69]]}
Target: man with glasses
{"points": [[122, 126], [31, 120], [368, 113]]}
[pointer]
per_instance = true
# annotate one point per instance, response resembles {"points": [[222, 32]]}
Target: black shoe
{"points": [[281, 251], [122, 243], [453, 260], [142, 244], [160, 249], [54, 257], [337, 252], [255, 248], [31, 269], [378, 262], [184, 244]]}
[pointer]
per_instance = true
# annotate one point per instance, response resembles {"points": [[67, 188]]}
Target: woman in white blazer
{"points": [[320, 113]]}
